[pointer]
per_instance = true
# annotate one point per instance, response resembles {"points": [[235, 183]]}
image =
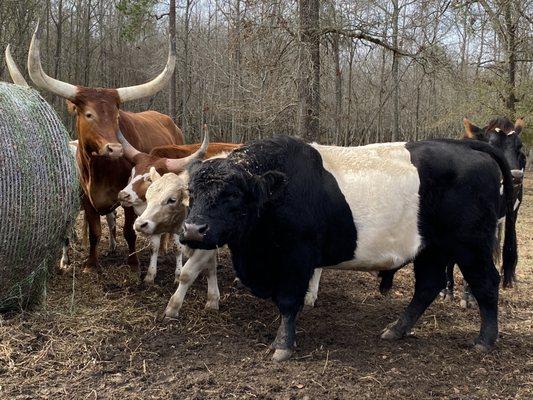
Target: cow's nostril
{"points": [[202, 229], [144, 225]]}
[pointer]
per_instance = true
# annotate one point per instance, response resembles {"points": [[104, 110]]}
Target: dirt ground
{"points": [[100, 337]]}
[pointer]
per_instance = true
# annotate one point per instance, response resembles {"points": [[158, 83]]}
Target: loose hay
{"points": [[38, 193]]}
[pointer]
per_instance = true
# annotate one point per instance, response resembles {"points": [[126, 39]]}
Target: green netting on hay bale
{"points": [[38, 193]]}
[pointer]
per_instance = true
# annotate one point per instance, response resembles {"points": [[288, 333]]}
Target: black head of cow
{"points": [[501, 133], [225, 202]]}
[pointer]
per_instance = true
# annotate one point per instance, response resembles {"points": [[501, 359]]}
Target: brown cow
{"points": [[163, 159], [104, 172]]}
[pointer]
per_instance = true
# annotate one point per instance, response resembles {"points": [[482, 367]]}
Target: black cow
{"points": [[285, 207], [502, 134]]}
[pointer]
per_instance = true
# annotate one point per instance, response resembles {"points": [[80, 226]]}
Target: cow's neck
{"points": [[102, 178]]}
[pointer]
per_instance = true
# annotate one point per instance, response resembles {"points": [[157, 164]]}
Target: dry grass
{"points": [[101, 337]]}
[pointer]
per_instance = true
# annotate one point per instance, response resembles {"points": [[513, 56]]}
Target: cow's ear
{"points": [[471, 131], [519, 125], [272, 184], [153, 175], [71, 107], [185, 197]]}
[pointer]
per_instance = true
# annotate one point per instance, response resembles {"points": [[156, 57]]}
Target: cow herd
{"points": [[286, 208]]}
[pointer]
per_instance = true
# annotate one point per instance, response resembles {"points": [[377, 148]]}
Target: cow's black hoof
{"points": [[468, 301], [482, 347], [447, 295], [392, 333], [281, 355], [238, 285]]}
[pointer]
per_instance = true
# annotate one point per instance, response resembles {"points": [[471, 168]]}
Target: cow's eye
{"points": [[233, 196], [171, 200], [88, 115]]}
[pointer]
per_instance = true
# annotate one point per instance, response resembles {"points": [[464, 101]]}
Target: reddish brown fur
{"points": [[143, 162], [98, 118]]}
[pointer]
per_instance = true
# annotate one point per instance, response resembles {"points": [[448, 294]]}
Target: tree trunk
{"points": [[59, 38], [172, 87], [511, 58], [395, 73], [338, 89], [87, 45], [236, 76], [309, 70]]}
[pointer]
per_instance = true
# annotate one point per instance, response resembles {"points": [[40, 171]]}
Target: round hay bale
{"points": [[38, 194]]}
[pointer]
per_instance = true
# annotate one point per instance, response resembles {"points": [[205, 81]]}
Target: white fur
{"points": [[381, 186], [138, 205], [199, 261], [312, 291]]}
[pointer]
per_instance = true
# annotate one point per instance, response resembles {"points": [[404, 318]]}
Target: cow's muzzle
{"points": [[144, 227], [112, 150], [194, 232]]}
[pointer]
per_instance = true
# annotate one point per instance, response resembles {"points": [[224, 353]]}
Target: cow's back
{"points": [[148, 129]]}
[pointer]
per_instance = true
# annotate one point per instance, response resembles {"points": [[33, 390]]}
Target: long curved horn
{"points": [[155, 85], [39, 77], [129, 151], [14, 72], [177, 165]]}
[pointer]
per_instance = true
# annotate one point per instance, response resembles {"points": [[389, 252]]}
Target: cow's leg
{"points": [[387, 277], [64, 264], [448, 292], [312, 291], [194, 265], [179, 258], [483, 278], [155, 241], [213, 294], [111, 219], [129, 235], [430, 279], [285, 339], [289, 298], [467, 298], [95, 232]]}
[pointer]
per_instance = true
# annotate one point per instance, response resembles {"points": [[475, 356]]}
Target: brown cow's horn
{"points": [[155, 85], [39, 77], [129, 151], [177, 165], [14, 72]]}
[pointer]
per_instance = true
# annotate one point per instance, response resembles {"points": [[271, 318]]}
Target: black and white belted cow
{"points": [[286, 208]]}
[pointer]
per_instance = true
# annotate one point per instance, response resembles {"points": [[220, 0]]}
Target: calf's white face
{"points": [[166, 204], [129, 196]]}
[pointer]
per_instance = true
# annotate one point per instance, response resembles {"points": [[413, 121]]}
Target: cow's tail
{"points": [[510, 252]]}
